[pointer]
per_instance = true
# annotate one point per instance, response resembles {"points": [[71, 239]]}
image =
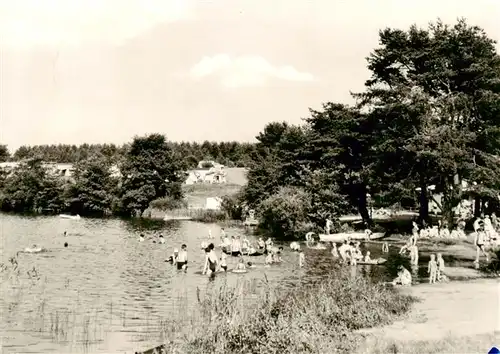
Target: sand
{"points": [[453, 309]]}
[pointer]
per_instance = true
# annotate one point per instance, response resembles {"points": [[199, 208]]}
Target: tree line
{"points": [[149, 168], [230, 154], [429, 116]]}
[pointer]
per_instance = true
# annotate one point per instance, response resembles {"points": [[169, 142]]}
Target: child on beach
{"points": [[479, 241], [432, 269], [269, 259], [440, 268]]}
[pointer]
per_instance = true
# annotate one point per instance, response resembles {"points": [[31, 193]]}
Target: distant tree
{"points": [[277, 161], [4, 153], [93, 190], [31, 188], [150, 170]]}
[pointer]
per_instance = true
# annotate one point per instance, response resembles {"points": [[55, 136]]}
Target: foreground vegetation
{"points": [[313, 317]]}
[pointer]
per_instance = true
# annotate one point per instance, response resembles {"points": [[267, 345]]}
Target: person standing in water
{"points": [[173, 257], [261, 244], [344, 251], [245, 245], [211, 261], [328, 226], [161, 240], [182, 259], [302, 259], [223, 262], [236, 247]]}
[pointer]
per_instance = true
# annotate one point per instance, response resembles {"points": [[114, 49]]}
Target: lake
{"points": [[108, 293]]}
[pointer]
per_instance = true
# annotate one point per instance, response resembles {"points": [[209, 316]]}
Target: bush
{"points": [[310, 318], [168, 203], [285, 214], [207, 164], [231, 205], [209, 216]]}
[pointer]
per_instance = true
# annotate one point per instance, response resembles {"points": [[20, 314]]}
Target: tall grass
{"points": [[308, 315]]}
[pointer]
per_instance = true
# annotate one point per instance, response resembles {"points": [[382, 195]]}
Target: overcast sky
{"points": [[101, 71]]}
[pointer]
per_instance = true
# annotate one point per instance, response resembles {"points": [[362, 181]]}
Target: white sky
{"points": [[103, 71]]}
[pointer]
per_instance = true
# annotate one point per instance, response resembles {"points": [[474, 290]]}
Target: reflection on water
{"points": [[107, 292]]}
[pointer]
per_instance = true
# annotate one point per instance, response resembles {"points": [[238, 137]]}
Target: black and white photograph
{"points": [[250, 176]]}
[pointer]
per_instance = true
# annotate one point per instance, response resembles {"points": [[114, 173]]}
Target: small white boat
{"points": [[350, 218], [372, 262], [358, 236], [72, 217], [33, 250]]}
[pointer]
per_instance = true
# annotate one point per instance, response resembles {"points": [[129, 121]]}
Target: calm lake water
{"points": [[107, 290]]}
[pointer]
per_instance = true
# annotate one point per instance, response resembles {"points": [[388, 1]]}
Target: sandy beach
{"points": [[448, 316]]}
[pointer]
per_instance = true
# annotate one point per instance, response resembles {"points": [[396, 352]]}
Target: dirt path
{"points": [[450, 309]]}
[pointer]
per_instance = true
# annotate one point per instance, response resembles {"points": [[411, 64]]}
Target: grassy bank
{"points": [[197, 194], [193, 205], [309, 318]]}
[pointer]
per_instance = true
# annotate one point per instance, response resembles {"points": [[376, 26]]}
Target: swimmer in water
{"points": [[241, 265], [161, 240], [65, 244], [223, 262], [141, 238]]}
